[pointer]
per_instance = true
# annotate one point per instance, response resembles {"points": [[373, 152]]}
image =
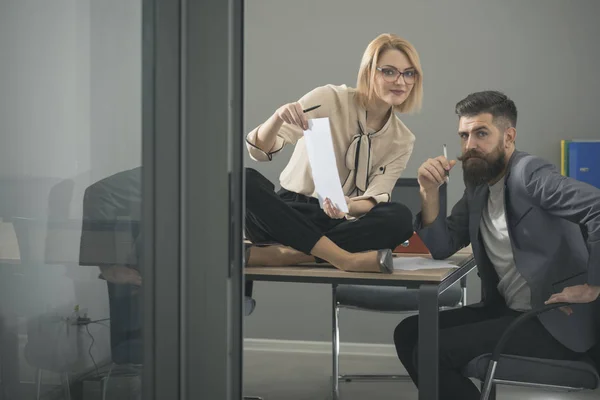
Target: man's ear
{"points": [[510, 136]]}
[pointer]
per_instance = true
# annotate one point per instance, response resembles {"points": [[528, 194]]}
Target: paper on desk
{"points": [[414, 263], [319, 147]]}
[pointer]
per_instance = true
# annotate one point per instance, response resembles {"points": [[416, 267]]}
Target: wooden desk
{"points": [[325, 273], [429, 283]]}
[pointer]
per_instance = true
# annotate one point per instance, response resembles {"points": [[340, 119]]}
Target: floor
{"points": [[277, 375]]}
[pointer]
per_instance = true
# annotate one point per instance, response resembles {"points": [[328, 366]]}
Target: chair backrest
{"points": [[406, 192]]}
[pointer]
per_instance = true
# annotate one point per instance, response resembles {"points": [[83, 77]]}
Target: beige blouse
{"points": [[369, 164]]}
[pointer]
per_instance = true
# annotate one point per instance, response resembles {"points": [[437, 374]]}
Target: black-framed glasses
{"points": [[391, 74]]}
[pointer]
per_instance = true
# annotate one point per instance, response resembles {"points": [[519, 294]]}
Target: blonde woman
{"points": [[372, 147]]}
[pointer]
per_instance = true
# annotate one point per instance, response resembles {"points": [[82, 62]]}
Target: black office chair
{"points": [[494, 369], [389, 299]]}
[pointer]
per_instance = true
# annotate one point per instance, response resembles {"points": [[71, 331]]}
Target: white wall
{"points": [[542, 53]]}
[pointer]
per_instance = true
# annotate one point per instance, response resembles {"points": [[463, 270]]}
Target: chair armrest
{"points": [[517, 324], [487, 386]]}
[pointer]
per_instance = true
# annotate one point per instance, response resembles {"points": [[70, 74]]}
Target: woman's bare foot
{"points": [[325, 249], [356, 262], [277, 255], [361, 262]]}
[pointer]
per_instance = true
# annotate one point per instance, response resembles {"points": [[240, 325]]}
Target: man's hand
{"points": [[432, 173], [575, 294], [122, 275]]}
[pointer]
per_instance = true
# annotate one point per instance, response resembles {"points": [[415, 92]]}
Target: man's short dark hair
{"points": [[503, 109]]}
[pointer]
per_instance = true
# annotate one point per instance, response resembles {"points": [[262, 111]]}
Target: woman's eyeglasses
{"points": [[391, 74]]}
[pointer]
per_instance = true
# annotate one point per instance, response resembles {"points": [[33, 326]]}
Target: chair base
{"points": [[373, 377], [554, 388], [491, 395]]}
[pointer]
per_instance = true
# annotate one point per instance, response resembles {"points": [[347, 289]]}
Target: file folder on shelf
{"points": [[584, 161], [564, 157]]}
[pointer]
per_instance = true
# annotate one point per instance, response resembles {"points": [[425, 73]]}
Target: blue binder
{"points": [[584, 162]]}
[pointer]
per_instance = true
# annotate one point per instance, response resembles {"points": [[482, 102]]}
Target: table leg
{"points": [[428, 362], [335, 345]]}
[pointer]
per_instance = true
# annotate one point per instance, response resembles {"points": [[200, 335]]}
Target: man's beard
{"points": [[479, 168]]}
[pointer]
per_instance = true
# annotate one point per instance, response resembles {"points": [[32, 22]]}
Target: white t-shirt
{"points": [[494, 231]]}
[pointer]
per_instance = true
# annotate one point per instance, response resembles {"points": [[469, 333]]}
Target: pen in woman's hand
{"points": [[311, 108]]}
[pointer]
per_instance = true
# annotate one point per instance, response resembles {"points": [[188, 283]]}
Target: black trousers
{"points": [[469, 332], [298, 221]]}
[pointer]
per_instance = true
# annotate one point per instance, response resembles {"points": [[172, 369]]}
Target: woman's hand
{"points": [[293, 114], [332, 211]]}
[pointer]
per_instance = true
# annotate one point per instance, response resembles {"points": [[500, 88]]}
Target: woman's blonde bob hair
{"points": [[368, 65]]}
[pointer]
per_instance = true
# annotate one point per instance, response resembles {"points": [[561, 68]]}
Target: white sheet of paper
{"points": [[414, 263], [319, 146]]}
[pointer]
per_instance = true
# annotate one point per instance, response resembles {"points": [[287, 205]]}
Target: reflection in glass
{"points": [[70, 195], [111, 239]]}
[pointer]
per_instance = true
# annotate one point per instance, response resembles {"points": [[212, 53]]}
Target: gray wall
{"points": [[70, 108], [44, 87], [116, 86], [542, 53]]}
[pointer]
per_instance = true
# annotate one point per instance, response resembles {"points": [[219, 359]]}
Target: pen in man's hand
{"points": [[446, 156], [311, 108]]}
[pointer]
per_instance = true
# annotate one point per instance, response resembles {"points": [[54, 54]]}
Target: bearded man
{"points": [[535, 236]]}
